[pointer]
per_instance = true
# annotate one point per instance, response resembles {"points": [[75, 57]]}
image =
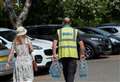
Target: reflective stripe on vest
{"points": [[67, 43]]}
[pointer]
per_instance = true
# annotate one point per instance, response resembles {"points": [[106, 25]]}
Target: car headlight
{"points": [[37, 47], [96, 39], [114, 40]]}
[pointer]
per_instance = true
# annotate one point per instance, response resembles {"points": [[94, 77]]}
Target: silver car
{"points": [[3, 60]]}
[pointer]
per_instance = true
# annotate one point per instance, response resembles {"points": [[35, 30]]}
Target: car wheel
{"points": [[89, 52], [6, 78]]}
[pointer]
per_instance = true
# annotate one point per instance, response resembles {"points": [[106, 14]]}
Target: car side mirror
{"points": [[2, 46], [0, 41]]}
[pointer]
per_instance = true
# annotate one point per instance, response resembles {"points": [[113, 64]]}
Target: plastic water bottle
{"points": [[55, 70], [83, 69]]}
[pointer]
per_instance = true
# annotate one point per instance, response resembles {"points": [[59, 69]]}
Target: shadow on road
{"points": [[41, 72], [101, 57], [7, 78]]}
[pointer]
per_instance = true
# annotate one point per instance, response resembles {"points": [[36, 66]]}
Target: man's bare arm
{"points": [[54, 47], [82, 49]]}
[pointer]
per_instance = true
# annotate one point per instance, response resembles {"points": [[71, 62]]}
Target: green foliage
{"points": [[82, 12], [45, 12], [114, 8], [1, 4], [18, 8], [90, 11]]}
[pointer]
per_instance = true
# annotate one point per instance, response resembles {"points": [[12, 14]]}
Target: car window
{"points": [[88, 31], [96, 31], [101, 32], [41, 31], [111, 30], [9, 35], [3, 41], [2, 46], [47, 33]]}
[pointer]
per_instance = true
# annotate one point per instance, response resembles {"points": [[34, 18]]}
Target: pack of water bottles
{"points": [[55, 70], [83, 69]]}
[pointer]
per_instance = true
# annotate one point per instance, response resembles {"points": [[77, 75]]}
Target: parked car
{"points": [[109, 24], [7, 36], [114, 40], [4, 51], [42, 48], [45, 32], [42, 53], [113, 29], [94, 43]]}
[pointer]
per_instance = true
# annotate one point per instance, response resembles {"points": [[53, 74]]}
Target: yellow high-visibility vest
{"points": [[67, 45]]}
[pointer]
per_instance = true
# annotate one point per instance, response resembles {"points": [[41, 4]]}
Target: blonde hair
{"points": [[18, 39]]}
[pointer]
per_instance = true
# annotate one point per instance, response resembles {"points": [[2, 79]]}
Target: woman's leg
{"points": [[29, 81]]}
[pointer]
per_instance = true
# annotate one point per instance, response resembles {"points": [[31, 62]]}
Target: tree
{"points": [[89, 10], [114, 9], [45, 12], [1, 3], [17, 19], [83, 12]]}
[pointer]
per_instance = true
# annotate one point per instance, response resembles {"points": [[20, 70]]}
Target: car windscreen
{"points": [[102, 32], [41, 31], [9, 35]]}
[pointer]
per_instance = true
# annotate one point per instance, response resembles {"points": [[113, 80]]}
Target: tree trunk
{"points": [[17, 20]]}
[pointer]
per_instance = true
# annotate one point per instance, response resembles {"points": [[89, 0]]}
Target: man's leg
{"points": [[65, 69], [69, 69], [72, 65]]}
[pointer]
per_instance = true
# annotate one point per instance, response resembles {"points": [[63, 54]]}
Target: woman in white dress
{"points": [[23, 70]]}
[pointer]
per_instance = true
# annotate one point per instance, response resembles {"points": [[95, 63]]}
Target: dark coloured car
{"points": [[46, 32], [114, 40], [94, 43], [109, 24]]}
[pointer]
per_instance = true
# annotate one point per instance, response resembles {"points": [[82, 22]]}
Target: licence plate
{"points": [[109, 46], [3, 58], [2, 66]]}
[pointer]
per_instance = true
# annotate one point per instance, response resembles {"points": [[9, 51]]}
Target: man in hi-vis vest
{"points": [[67, 39]]}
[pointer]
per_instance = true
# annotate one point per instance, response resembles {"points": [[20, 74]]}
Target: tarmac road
{"points": [[100, 70]]}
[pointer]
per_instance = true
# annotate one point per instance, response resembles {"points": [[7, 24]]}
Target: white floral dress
{"points": [[23, 70]]}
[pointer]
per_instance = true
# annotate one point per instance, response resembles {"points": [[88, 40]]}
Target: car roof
{"points": [[4, 29], [45, 26], [96, 29], [89, 28], [109, 24], [117, 27]]}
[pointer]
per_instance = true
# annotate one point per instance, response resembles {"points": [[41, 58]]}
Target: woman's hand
{"points": [[7, 66]]}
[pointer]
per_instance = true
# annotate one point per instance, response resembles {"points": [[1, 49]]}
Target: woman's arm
{"points": [[11, 54], [30, 47]]}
